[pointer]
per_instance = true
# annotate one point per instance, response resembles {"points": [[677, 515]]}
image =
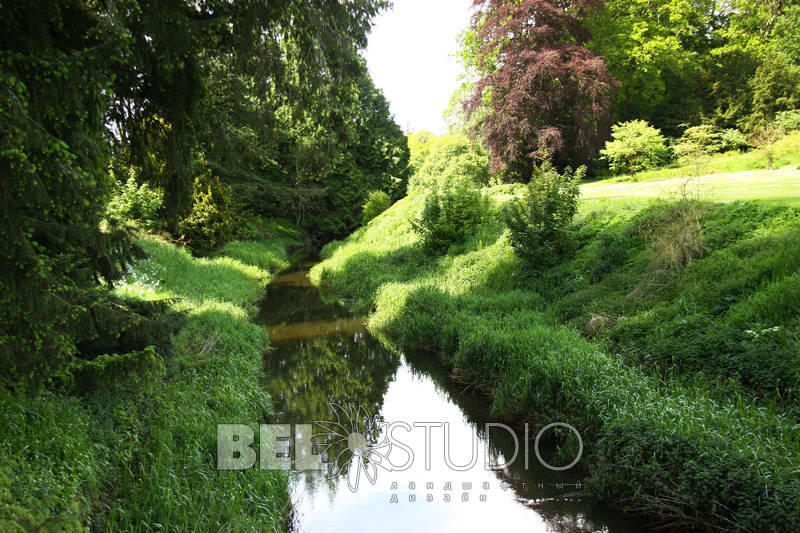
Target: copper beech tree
{"points": [[546, 93]]}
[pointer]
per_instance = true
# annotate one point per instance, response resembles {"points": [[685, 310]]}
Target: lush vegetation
{"points": [[699, 302], [548, 79], [202, 123], [126, 448], [160, 159]]}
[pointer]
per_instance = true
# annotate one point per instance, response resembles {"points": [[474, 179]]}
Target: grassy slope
{"points": [[141, 454], [698, 436]]}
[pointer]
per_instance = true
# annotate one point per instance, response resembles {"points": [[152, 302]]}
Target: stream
{"points": [[401, 445]]}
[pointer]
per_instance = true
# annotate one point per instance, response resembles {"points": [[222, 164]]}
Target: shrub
{"points": [[696, 144], [788, 120], [137, 202], [765, 136], [450, 216], [453, 161], [213, 217], [635, 146], [377, 202], [539, 223], [731, 140]]}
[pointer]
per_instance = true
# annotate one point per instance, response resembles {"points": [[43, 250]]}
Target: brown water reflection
{"points": [[315, 329]]}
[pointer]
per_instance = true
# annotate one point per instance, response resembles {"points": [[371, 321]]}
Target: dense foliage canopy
{"points": [[547, 78], [268, 102]]}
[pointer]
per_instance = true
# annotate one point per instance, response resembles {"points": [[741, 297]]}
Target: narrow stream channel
{"points": [[326, 367]]}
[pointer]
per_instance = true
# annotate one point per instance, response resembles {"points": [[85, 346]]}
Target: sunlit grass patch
{"points": [[141, 453]]}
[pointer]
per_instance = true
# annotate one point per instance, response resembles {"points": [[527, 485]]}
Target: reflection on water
{"points": [[326, 367], [319, 328]]}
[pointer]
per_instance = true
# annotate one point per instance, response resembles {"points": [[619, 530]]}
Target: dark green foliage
{"points": [[776, 87], [198, 78], [372, 154], [102, 372], [540, 222], [450, 216], [377, 202], [54, 71]]}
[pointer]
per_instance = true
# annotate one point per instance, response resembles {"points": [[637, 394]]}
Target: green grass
{"points": [[786, 154], [723, 178], [779, 187], [140, 454], [688, 416]]}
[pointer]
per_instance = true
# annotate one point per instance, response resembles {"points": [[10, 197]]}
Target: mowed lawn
{"points": [[780, 186]]}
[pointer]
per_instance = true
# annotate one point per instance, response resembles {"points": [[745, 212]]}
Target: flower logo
{"points": [[352, 441]]}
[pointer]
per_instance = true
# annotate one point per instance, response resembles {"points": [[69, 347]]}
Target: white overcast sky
{"points": [[411, 56]]}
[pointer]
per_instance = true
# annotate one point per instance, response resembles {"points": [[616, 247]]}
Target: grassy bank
{"points": [[681, 375], [140, 452]]}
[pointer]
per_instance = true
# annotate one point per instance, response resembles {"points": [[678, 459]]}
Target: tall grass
{"points": [[714, 449], [141, 453]]}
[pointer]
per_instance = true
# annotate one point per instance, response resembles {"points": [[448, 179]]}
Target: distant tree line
{"points": [[547, 79]]}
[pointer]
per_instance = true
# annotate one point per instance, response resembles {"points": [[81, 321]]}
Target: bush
{"points": [[140, 203], [213, 217], [539, 223], [635, 146], [453, 161], [731, 140], [765, 136], [449, 217], [377, 202], [696, 144], [788, 120]]}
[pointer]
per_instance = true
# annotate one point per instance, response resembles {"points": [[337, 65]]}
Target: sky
{"points": [[411, 56]]}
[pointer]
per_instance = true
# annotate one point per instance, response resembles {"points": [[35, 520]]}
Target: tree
{"points": [[655, 49], [696, 144], [372, 154], [765, 136], [548, 95], [55, 63], [635, 146], [776, 87], [453, 161], [304, 52], [753, 31], [130, 83], [419, 146]]}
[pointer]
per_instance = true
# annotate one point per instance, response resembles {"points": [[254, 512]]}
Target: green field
{"points": [[780, 186]]}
